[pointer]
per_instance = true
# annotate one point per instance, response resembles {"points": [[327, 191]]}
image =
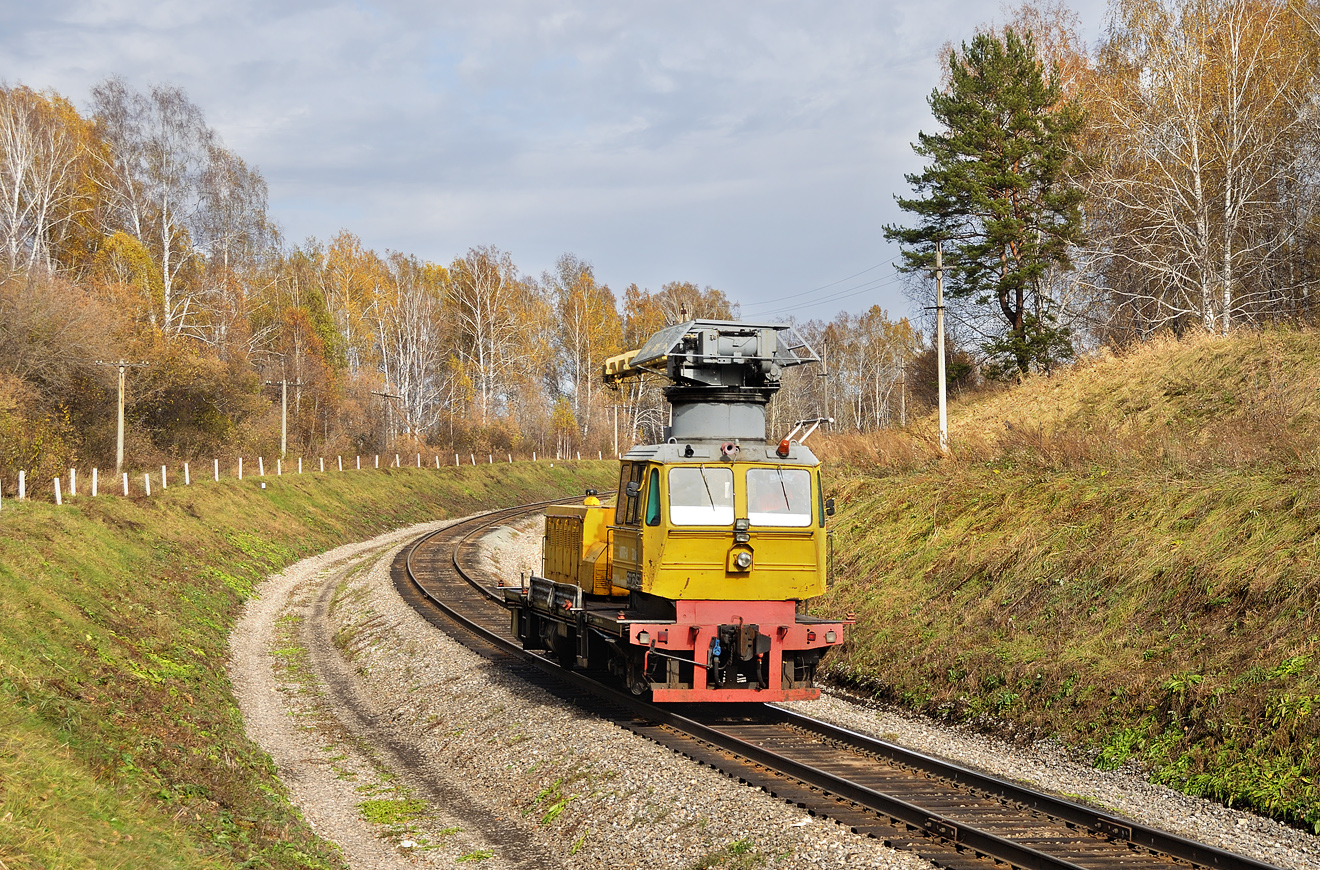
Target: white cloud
{"points": [[751, 146]]}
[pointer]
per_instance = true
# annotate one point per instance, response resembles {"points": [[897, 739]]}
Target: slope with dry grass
{"points": [[1124, 555]]}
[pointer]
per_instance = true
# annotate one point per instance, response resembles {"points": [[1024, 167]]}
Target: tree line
{"points": [[1164, 179], [133, 233]]}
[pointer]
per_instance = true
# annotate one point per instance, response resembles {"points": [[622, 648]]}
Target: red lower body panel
{"points": [[774, 633], [759, 696]]}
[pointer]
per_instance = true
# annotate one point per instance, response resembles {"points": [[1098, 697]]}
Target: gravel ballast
{"points": [[365, 708]]}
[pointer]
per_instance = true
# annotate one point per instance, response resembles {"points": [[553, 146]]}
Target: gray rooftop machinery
{"points": [[722, 374]]}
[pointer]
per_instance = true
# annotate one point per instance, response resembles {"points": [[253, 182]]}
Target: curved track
{"points": [[955, 817]]}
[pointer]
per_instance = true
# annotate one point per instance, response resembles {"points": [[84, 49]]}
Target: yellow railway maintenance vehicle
{"points": [[691, 587]]}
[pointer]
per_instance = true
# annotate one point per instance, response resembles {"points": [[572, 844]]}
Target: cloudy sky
{"points": [[751, 146]]}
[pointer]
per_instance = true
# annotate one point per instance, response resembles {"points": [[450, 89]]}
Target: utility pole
{"points": [[902, 394], [939, 339], [386, 395], [284, 411], [119, 440]]}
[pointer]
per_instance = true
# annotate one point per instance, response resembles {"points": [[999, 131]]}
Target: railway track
{"points": [[953, 816]]}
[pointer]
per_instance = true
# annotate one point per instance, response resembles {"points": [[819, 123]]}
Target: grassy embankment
{"points": [[1126, 555], [120, 742]]}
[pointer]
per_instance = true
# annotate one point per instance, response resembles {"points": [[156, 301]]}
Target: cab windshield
{"points": [[701, 496], [779, 496]]}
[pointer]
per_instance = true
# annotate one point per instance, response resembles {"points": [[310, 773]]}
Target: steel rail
{"points": [[934, 825], [1113, 826]]}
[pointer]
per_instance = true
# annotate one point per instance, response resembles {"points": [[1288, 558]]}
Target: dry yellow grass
{"points": [[1197, 402], [1126, 554]]}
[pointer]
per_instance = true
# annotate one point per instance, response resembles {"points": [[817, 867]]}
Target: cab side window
{"points": [[653, 499], [628, 509]]}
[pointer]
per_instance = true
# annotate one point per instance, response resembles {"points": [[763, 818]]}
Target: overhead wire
{"points": [[820, 288], [845, 293]]}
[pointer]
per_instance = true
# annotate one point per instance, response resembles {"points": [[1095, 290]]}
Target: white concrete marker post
{"points": [[279, 467], [455, 460], [164, 484], [73, 482], [473, 457], [240, 468], [147, 483], [359, 462], [22, 485], [94, 483], [396, 461], [58, 500], [125, 484], [187, 475], [215, 468], [261, 466]]}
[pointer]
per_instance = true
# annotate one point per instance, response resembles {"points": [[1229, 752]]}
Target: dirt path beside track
{"points": [[302, 703]]}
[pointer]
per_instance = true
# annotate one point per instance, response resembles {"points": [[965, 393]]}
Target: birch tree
{"points": [[159, 151], [44, 162], [235, 236], [411, 344], [868, 355], [1206, 111], [485, 296], [590, 330], [353, 276]]}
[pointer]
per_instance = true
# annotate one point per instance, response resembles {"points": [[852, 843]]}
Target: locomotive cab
{"points": [[734, 530]]}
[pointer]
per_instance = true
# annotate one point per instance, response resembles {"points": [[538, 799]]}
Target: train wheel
{"points": [[562, 647], [638, 684]]}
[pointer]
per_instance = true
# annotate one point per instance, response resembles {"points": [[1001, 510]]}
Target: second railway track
{"points": [[953, 816]]}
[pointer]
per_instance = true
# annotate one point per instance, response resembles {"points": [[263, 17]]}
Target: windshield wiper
{"points": [[709, 497]]}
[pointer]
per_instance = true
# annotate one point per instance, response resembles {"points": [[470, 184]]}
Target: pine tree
{"points": [[997, 194]]}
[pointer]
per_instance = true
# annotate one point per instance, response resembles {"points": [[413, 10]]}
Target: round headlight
{"points": [[743, 561]]}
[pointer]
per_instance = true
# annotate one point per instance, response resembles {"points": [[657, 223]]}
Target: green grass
{"points": [[392, 812], [120, 741], [738, 855]]}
